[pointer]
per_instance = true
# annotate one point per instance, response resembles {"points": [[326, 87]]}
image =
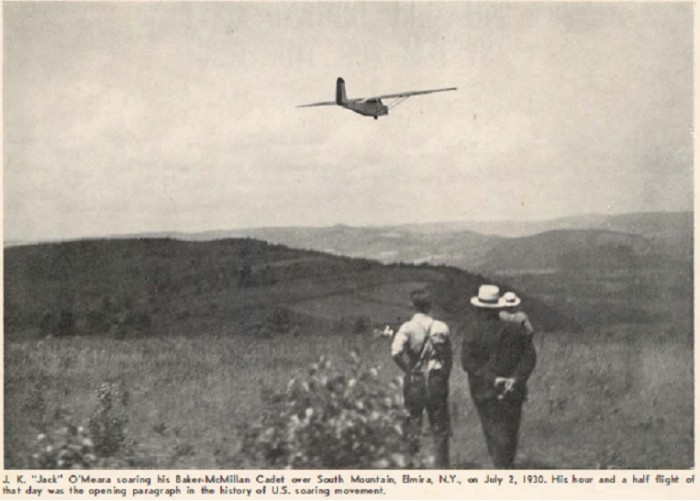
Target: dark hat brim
{"points": [[493, 306]]}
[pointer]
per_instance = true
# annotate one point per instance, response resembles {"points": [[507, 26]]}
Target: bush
{"points": [[68, 446], [58, 323], [331, 419], [107, 424], [362, 324], [101, 443], [98, 321], [278, 321]]}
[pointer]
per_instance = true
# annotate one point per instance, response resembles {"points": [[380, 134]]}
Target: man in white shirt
{"points": [[422, 349]]}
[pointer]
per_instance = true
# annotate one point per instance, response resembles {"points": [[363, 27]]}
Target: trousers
{"points": [[500, 421], [431, 396]]}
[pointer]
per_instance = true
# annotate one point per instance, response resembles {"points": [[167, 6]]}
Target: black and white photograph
{"points": [[348, 235]]}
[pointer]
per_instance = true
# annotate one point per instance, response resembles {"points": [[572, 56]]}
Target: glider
{"points": [[370, 106]]}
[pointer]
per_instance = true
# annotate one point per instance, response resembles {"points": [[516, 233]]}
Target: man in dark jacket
{"points": [[499, 356]]}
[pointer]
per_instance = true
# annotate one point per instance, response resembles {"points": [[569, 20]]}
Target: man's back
{"points": [[411, 343], [499, 347]]}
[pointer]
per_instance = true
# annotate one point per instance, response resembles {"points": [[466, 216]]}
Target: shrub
{"points": [[138, 319], [362, 324], [68, 446], [58, 323], [107, 424], [277, 321], [101, 443], [98, 321], [330, 419]]}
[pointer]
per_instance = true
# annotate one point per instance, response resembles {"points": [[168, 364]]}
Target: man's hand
{"points": [[507, 382], [399, 360], [510, 382]]}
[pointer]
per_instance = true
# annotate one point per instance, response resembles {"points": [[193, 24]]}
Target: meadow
{"points": [[596, 400]]}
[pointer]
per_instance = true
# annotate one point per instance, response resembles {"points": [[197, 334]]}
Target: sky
{"points": [[128, 117]]}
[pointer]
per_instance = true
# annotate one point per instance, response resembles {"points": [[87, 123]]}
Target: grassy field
{"points": [[597, 400]]}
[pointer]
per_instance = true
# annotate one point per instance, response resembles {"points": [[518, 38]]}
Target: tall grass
{"points": [[597, 399]]}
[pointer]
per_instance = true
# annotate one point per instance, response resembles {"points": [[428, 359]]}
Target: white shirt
{"points": [[411, 336]]}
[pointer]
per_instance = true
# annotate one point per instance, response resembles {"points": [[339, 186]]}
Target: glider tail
{"points": [[340, 97]]}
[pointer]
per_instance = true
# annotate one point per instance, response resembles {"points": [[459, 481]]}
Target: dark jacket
{"points": [[498, 348]]}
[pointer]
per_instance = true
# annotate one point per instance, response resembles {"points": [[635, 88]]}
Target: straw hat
{"points": [[511, 299], [489, 297]]}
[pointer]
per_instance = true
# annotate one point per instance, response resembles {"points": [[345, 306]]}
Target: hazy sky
{"points": [[129, 117]]}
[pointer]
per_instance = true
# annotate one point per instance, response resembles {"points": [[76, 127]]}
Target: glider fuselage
{"points": [[367, 108], [372, 107]]}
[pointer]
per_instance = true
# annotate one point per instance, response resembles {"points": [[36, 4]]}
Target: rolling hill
{"points": [[602, 270], [141, 287], [562, 249], [187, 282]]}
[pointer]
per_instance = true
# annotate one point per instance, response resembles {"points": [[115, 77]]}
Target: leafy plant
{"points": [[362, 325], [107, 424], [101, 443], [68, 446], [59, 322], [330, 419]]}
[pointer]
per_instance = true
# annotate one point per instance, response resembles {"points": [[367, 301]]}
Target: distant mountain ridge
{"points": [[634, 222], [594, 239], [488, 245]]}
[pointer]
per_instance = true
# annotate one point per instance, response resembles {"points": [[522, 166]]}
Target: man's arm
{"points": [[475, 361], [528, 359], [527, 326], [448, 356], [398, 346]]}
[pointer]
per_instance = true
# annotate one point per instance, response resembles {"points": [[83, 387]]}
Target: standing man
{"points": [[499, 356], [510, 313], [422, 349]]}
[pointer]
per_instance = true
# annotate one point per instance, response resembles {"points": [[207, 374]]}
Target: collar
{"points": [[422, 318]]}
